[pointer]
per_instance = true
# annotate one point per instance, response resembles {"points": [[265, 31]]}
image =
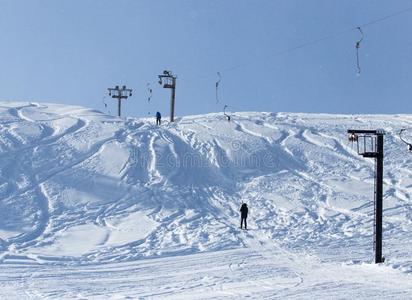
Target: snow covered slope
{"points": [[94, 193]]}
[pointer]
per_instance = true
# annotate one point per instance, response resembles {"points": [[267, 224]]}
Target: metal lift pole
{"points": [[172, 100], [119, 94], [378, 155], [169, 82], [379, 200]]}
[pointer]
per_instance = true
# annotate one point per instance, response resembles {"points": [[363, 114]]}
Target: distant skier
{"points": [[158, 118], [243, 215]]}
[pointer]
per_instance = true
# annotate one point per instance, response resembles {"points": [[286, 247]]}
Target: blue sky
{"points": [[72, 51]]}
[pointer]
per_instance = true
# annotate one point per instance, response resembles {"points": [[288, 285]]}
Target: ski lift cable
{"points": [[318, 40], [285, 51], [303, 45], [384, 18], [321, 39], [310, 43]]}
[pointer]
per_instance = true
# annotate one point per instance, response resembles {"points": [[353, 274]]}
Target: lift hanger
{"points": [[357, 46]]}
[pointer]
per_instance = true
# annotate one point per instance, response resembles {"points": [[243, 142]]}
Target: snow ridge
{"points": [[80, 188]]}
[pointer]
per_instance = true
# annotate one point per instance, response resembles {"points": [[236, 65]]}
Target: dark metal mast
{"points": [[169, 82], [376, 151], [119, 94]]}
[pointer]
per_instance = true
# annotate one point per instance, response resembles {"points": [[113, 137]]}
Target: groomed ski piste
{"points": [[96, 207]]}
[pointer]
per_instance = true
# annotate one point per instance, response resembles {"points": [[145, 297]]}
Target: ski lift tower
{"points": [[370, 144], [169, 82], [119, 94]]}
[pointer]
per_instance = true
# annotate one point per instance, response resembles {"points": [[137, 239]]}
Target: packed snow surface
{"points": [[93, 206]]}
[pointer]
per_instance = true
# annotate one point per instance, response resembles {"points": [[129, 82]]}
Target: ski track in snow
{"points": [[97, 207]]}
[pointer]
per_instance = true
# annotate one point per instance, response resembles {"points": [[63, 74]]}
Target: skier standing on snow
{"points": [[158, 118], [243, 215]]}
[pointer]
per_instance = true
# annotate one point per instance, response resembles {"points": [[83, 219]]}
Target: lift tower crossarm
{"points": [[357, 131], [120, 94]]}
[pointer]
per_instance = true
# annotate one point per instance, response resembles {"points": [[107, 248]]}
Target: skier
{"points": [[243, 214], [158, 118]]}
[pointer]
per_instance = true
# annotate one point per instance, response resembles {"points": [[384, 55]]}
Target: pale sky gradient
{"points": [[71, 51]]}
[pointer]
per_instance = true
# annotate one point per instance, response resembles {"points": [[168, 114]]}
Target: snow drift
{"points": [[78, 187]]}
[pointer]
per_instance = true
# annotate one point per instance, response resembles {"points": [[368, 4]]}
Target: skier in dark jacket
{"points": [[158, 118], [243, 215]]}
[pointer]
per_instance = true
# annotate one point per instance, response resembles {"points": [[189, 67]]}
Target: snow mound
{"points": [[81, 187]]}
